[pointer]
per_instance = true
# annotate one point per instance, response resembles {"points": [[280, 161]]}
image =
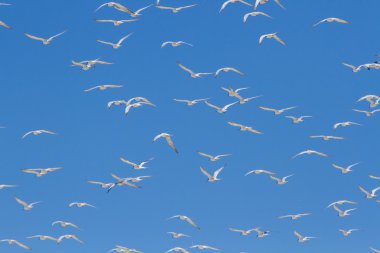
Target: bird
{"points": [[122, 249], [65, 224], [327, 137], [257, 172], [26, 206], [224, 5], [234, 92], [302, 239], [244, 128], [176, 235], [80, 204], [227, 69], [37, 132], [116, 22], [310, 152], [277, 111], [220, 109], [297, 120], [43, 237], [330, 20], [168, 138], [348, 232], [246, 100], [352, 67], [5, 25], [241, 231], [116, 102], [103, 87], [280, 181], [370, 176], [370, 195], [258, 2], [342, 213], [44, 41], [122, 8], [187, 219], [177, 249], [4, 186], [129, 106], [271, 36], [136, 166], [191, 102], [346, 169], [213, 177], [341, 202], [175, 9], [373, 100], [254, 14], [367, 113], [102, 185], [345, 124], [294, 216], [375, 250], [138, 179], [203, 247], [41, 172], [123, 181], [88, 64], [117, 44], [12, 241], [74, 237], [192, 74], [213, 158], [261, 234], [175, 43]]}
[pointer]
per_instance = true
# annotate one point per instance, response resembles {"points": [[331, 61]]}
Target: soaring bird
{"points": [[327, 137], [258, 2], [26, 206], [297, 120], [37, 132], [220, 109], [116, 22], [88, 64], [4, 186], [344, 170], [213, 177], [227, 69], [5, 25], [280, 181], [185, 218], [224, 5], [343, 213], [257, 172], [348, 232], [168, 138], [244, 128], [65, 224], [254, 14], [341, 202], [352, 67], [176, 235], [136, 166], [102, 185], [44, 41], [310, 152], [122, 8], [302, 239], [191, 102], [103, 87], [192, 73], [242, 232], [370, 195], [277, 111], [330, 20], [177, 249], [294, 216], [80, 204], [213, 158], [41, 172], [260, 233], [345, 124], [175, 43], [203, 247], [117, 44], [124, 181], [175, 9], [74, 237], [12, 241], [43, 237], [271, 36], [234, 92], [367, 113]]}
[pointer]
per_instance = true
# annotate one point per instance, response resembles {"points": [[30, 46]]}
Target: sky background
{"points": [[39, 90]]}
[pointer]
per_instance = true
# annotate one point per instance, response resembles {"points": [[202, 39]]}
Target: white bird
{"points": [[88, 64], [352, 67], [375, 250], [341, 202], [168, 138], [310, 152], [213, 158], [280, 181], [5, 25], [102, 185], [370, 195], [192, 74], [343, 213], [185, 218], [41, 172], [122, 8], [294, 216], [271, 36], [244, 128], [37, 132], [241, 231], [258, 2], [220, 109], [327, 137], [347, 232], [103, 87], [175, 43], [373, 100], [370, 176], [345, 124], [43, 237], [257, 172], [4, 186], [74, 237], [254, 14], [277, 111], [80, 204], [246, 100], [129, 106], [203, 247], [26, 206], [302, 239], [136, 166], [297, 120], [177, 249], [175, 9], [234, 93], [261, 234], [116, 102], [139, 178], [224, 5], [214, 177], [123, 181], [367, 113], [176, 235], [115, 45], [44, 41], [344, 170], [65, 224], [116, 22], [228, 69], [191, 102], [330, 20], [12, 241]]}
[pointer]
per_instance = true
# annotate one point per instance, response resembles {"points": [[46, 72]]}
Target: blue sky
{"points": [[39, 90]]}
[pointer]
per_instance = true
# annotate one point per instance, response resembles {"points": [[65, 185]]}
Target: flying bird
{"points": [[37, 132], [44, 41], [277, 111], [116, 22], [244, 128], [136, 166], [175, 43], [345, 124], [103, 87], [367, 113], [213, 158], [213, 177], [258, 2], [65, 224], [168, 138], [80, 204], [330, 20], [347, 232], [117, 44], [122, 8], [12, 241], [310, 152], [343, 213], [234, 92], [41, 172], [352, 67], [192, 74], [294, 216], [224, 5], [175, 9], [177, 249], [220, 109], [327, 137], [43, 237], [341, 202], [26, 206], [242, 232], [302, 239], [344, 170], [370, 195], [177, 235], [228, 69], [102, 185], [185, 218], [257, 172], [280, 181], [73, 237], [191, 102], [297, 120], [254, 14], [271, 36]]}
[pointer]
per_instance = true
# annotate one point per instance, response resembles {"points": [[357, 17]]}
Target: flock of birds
{"points": [[212, 176]]}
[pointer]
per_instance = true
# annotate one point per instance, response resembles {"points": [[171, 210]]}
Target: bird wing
{"points": [[205, 172], [105, 42], [212, 106], [124, 38], [186, 69], [205, 155], [22, 245], [279, 4], [262, 37], [299, 236], [267, 109], [216, 173], [229, 105], [55, 36], [339, 20], [23, 203], [185, 7], [166, 43], [192, 223], [235, 124], [275, 179], [279, 40], [224, 5], [320, 22], [171, 144], [127, 162], [143, 8], [250, 129], [34, 37]]}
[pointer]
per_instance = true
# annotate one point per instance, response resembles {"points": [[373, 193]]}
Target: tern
{"points": [[74, 237], [168, 138], [294, 216], [26, 206], [254, 14], [261, 234], [345, 124], [123, 181], [280, 181], [310, 152], [175, 43], [44, 41], [297, 120], [185, 218], [271, 36], [227, 69], [213, 158], [102, 185], [88, 64], [41, 172], [258, 2], [214, 177], [12, 241], [122, 8], [277, 111], [224, 5], [302, 239], [246, 100], [37, 132], [115, 45], [191, 102], [242, 232], [370, 195], [330, 20], [177, 249], [244, 128], [367, 113], [80, 204], [348, 232], [5, 25], [220, 109], [116, 22], [103, 87], [192, 74], [343, 213], [176, 235], [65, 224], [345, 170], [341, 202], [203, 247], [43, 237], [234, 93], [327, 137], [257, 172], [352, 67], [175, 9], [136, 166]]}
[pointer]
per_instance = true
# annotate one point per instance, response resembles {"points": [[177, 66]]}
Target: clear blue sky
{"points": [[39, 90]]}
